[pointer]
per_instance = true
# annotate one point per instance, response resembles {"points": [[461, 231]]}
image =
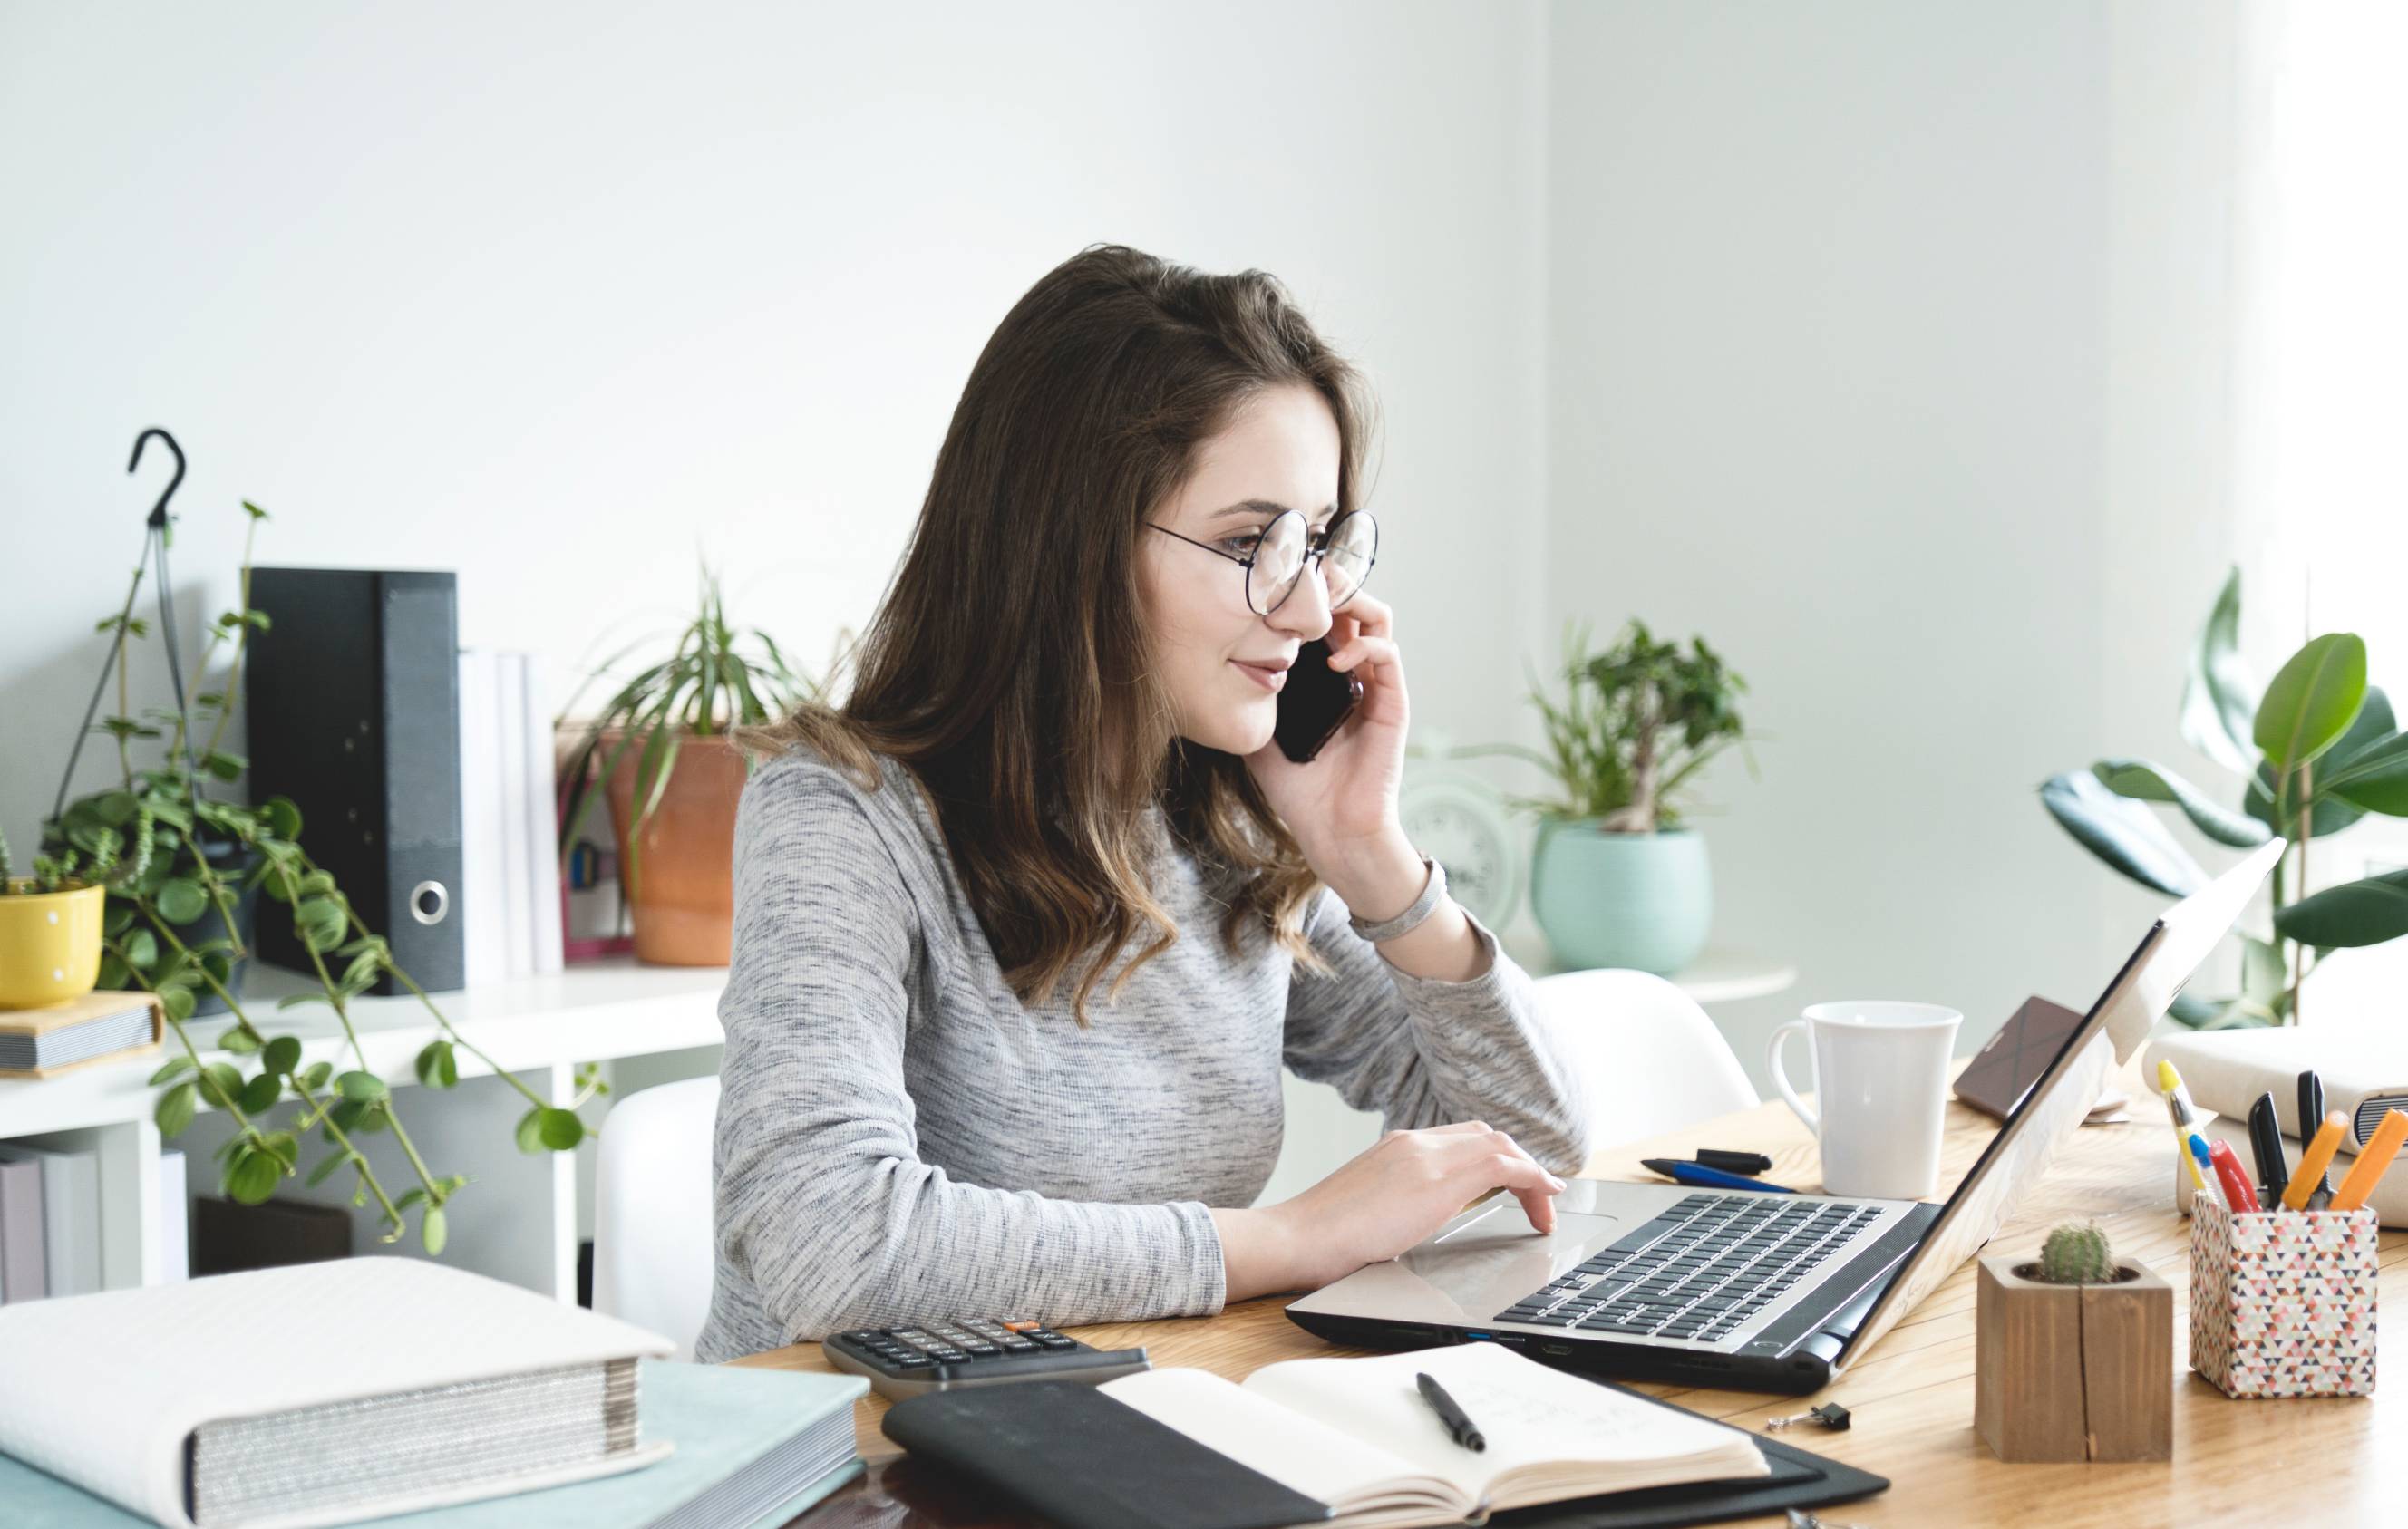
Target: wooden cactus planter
{"points": [[2073, 1372]]}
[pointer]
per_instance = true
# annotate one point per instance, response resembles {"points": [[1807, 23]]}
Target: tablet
{"points": [[2003, 1071]]}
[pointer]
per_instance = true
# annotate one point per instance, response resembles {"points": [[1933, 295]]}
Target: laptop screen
{"points": [[2053, 1108], [2018, 1153]]}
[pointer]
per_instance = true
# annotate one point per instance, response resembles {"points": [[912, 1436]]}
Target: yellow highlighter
{"points": [[2314, 1162], [2185, 1118], [2376, 1156]]}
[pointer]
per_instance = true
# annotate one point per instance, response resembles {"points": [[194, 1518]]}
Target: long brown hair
{"points": [[1008, 663]]}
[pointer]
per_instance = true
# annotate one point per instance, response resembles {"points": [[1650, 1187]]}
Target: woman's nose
{"points": [[1305, 612]]}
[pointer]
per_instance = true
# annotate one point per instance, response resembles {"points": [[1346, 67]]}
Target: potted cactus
{"points": [[2073, 1353]]}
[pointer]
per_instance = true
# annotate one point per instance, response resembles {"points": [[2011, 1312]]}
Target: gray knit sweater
{"points": [[900, 1139]]}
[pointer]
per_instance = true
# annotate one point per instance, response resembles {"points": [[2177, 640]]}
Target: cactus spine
{"points": [[2077, 1255]]}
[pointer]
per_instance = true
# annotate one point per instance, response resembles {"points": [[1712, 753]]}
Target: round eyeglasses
{"points": [[1275, 558]]}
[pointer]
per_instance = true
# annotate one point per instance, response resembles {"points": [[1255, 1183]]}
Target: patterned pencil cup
{"points": [[2282, 1303]]}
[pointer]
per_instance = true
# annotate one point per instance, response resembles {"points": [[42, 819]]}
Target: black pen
{"points": [[1457, 1424], [2266, 1146], [1750, 1163], [2312, 1114]]}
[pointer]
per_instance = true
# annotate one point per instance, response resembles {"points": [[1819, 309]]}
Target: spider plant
{"points": [[711, 682]]}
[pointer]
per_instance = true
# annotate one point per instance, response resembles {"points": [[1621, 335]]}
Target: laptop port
{"points": [[1554, 1347]]}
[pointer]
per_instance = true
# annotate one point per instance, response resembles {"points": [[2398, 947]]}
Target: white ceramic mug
{"points": [[1881, 1077]]}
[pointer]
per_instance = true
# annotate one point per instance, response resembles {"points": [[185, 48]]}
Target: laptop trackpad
{"points": [[1496, 1259]]}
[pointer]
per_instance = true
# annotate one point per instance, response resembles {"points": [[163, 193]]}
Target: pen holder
{"points": [[2282, 1302]]}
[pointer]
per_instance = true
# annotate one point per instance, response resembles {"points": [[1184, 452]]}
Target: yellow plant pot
{"points": [[50, 945]]}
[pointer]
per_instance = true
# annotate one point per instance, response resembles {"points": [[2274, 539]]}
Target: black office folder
{"points": [[354, 709], [1084, 1460]]}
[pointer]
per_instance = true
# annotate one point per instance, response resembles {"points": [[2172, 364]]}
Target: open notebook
{"points": [[1356, 1433]]}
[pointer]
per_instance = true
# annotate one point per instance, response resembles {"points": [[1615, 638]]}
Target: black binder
{"points": [[355, 712]]}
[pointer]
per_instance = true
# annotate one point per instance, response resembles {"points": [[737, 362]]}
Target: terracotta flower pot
{"points": [[682, 899]]}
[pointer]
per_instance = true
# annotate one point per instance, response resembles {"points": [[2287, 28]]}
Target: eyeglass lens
{"points": [[1281, 554]]}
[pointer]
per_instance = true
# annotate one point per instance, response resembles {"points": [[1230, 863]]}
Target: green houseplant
{"points": [[659, 751], [257, 1074], [172, 854], [2315, 751], [1617, 879]]}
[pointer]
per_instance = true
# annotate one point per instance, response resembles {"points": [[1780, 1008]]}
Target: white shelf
{"points": [[595, 1012], [518, 1219]]}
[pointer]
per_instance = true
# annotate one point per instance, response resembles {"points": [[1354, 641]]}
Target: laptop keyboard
{"points": [[1700, 1270]]}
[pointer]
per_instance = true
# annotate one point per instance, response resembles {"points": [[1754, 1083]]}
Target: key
{"points": [[1830, 1415]]}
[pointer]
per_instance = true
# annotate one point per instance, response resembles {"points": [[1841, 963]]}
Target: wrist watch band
{"points": [[1404, 923]]}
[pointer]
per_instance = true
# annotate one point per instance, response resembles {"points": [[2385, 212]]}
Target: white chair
{"points": [[653, 1239], [1652, 1059]]}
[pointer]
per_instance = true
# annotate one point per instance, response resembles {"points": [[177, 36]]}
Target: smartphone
{"points": [[1315, 699]]}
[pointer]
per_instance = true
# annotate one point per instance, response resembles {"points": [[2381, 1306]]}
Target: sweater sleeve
{"points": [[1426, 1052], [822, 1201]]}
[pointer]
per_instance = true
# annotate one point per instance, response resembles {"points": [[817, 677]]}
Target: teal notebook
{"points": [[754, 1448]]}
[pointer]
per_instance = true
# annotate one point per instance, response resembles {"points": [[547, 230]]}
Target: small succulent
{"points": [[2077, 1255], [67, 870]]}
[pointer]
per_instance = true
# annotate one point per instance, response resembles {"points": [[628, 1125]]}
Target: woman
{"points": [[1026, 928]]}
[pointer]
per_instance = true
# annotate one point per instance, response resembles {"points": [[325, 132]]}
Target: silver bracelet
{"points": [[1410, 919]]}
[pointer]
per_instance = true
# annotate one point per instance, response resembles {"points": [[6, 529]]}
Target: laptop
{"points": [[1743, 1289]]}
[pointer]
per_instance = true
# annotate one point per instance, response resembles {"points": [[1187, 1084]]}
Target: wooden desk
{"points": [[2328, 1462]]}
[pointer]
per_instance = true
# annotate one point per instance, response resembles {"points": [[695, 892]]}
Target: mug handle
{"points": [[1781, 1079]]}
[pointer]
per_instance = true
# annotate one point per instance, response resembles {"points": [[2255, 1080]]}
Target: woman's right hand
{"points": [[1392, 1195]]}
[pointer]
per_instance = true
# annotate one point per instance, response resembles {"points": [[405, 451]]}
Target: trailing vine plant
{"points": [[149, 832]]}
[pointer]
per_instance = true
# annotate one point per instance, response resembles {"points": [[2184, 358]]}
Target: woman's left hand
{"points": [[1342, 806]]}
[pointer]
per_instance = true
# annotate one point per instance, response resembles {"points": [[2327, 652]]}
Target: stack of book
{"points": [[372, 1387], [509, 839], [47, 1041], [49, 1218]]}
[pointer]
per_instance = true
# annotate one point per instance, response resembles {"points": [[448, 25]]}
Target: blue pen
{"points": [[2206, 1162], [1701, 1176]]}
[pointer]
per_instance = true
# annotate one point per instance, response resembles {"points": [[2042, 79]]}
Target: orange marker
{"points": [[2375, 1157], [2314, 1162]]}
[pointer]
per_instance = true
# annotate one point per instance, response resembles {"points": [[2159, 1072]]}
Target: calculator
{"points": [[902, 1362]]}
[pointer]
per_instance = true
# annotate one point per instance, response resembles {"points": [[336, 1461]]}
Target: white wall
{"points": [[559, 296], [1877, 341], [1874, 354]]}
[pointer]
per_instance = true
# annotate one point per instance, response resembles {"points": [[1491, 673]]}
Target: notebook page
{"points": [[1350, 1473], [1533, 1417]]}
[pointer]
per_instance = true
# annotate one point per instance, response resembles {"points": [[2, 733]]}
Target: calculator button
{"points": [[1018, 1346], [981, 1350], [910, 1361], [1019, 1325]]}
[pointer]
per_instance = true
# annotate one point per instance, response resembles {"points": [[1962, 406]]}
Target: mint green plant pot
{"points": [[1641, 901]]}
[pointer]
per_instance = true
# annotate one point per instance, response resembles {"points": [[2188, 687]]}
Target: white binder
{"points": [[320, 1393]]}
